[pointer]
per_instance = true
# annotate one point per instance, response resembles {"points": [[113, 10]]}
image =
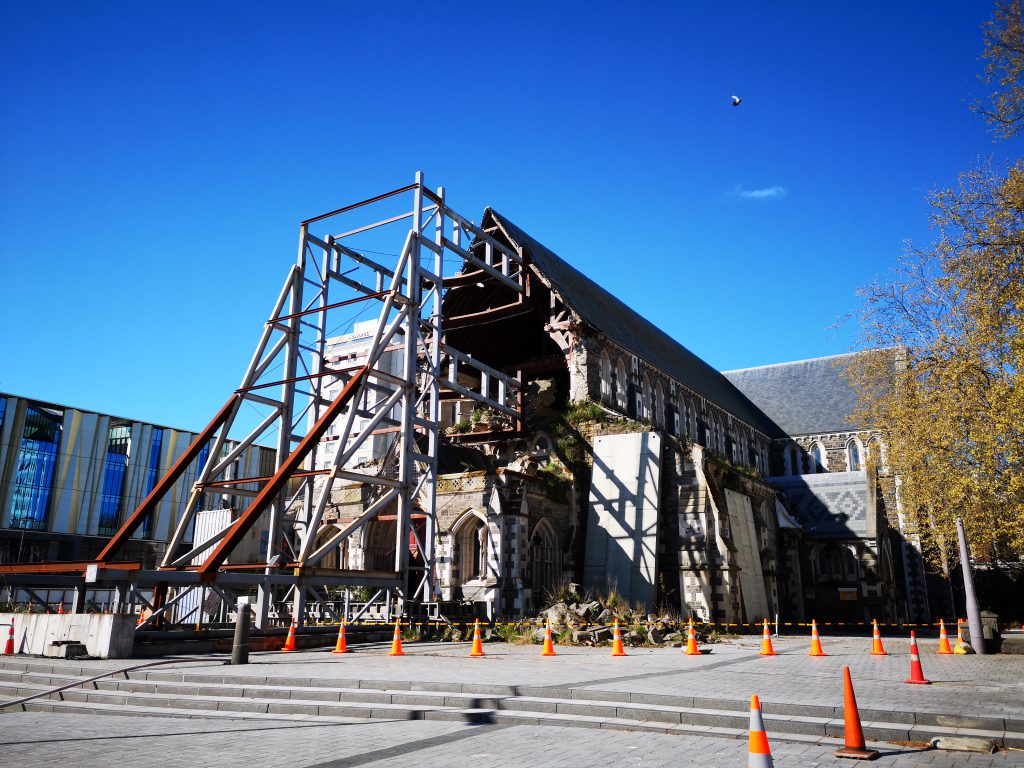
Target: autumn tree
{"points": [[1003, 108], [947, 391]]}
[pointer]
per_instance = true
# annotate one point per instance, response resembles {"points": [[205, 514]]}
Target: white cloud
{"points": [[765, 193]]}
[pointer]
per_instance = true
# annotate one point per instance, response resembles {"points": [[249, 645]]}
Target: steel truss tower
{"points": [[339, 275]]}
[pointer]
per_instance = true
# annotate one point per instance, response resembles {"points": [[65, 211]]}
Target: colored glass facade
{"points": [[115, 470], [33, 478]]}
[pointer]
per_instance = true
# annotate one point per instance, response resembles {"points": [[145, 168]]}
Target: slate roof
{"points": [[601, 310], [805, 397]]}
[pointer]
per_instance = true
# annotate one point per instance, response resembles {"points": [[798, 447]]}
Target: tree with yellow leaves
{"points": [[947, 391]]}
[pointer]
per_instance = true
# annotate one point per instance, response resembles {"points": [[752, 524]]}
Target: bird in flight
{"points": [[736, 101]]}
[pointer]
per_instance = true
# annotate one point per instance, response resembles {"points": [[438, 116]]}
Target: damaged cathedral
{"points": [[731, 497]]}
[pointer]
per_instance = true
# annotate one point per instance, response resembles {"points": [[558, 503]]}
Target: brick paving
{"points": [[31, 739], [989, 686]]}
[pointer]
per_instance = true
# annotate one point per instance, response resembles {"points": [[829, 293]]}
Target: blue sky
{"points": [[156, 158]]}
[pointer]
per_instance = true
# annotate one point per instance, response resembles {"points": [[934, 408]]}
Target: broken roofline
{"points": [[630, 331]]}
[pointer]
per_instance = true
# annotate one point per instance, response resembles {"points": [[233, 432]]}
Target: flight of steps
{"points": [[184, 694]]}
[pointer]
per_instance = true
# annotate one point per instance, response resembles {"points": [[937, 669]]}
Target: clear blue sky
{"points": [[156, 159]]}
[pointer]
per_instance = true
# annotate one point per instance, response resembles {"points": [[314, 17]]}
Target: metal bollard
{"points": [[240, 648]]}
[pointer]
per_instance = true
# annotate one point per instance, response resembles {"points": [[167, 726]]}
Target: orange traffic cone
{"points": [[691, 641], [815, 641], [9, 646], [962, 648], [549, 646], [877, 649], [341, 646], [943, 640], [853, 734], [617, 649], [477, 650], [766, 642], [759, 753], [396, 642], [916, 673], [289, 643]]}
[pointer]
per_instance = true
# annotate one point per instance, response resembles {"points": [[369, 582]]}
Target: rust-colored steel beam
{"points": [[288, 468], [367, 297], [357, 205], [317, 375], [240, 480], [148, 505], [68, 567]]}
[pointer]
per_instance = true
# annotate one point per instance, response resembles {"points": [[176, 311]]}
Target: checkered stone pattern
{"points": [[829, 505]]}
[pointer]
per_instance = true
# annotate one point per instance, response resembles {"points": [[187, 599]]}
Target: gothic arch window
{"points": [[544, 569], [607, 383], [793, 456], [621, 384], [472, 542], [851, 566], [819, 462], [645, 399], [692, 419], [854, 455], [660, 419]]}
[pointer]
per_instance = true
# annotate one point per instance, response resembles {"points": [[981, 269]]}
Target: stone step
{"points": [[448, 705]]}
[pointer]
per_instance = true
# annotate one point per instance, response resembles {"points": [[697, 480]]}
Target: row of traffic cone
{"points": [[760, 754]]}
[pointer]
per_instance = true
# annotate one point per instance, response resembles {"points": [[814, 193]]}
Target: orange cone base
{"points": [[549, 650], [477, 654], [879, 653], [692, 651], [944, 649], [817, 653], [289, 650], [619, 652], [857, 754], [918, 682], [396, 652], [343, 650], [769, 651]]}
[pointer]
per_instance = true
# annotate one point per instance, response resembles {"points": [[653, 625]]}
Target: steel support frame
{"points": [[332, 274]]}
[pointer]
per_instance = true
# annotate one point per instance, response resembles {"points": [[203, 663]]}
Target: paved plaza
{"points": [[984, 687]]}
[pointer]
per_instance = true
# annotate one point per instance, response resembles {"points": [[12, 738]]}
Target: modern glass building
{"points": [[70, 477]]}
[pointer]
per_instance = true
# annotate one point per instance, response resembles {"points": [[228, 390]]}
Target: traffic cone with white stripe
{"points": [[549, 646], [943, 640], [617, 649], [691, 641], [816, 649], [916, 673], [759, 754], [877, 649], [396, 641], [477, 651], [289, 642], [341, 646], [853, 734], [9, 646], [766, 642]]}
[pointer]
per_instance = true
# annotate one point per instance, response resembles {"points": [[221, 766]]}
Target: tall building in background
{"points": [[69, 477]]}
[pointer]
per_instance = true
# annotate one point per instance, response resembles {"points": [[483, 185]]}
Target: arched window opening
{"points": [[819, 462], [854, 463], [543, 561], [607, 382], [621, 385], [660, 419], [645, 399], [472, 541]]}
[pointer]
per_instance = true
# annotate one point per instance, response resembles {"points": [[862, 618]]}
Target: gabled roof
{"points": [[806, 397], [599, 309]]}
